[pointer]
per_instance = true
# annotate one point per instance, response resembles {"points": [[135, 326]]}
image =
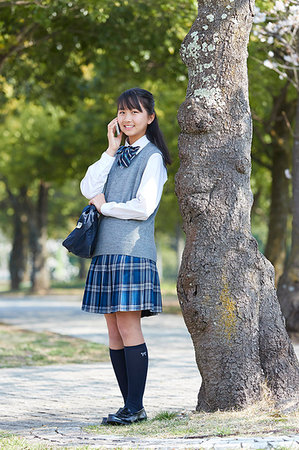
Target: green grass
{"points": [[75, 284], [9, 441], [27, 348], [261, 419], [165, 415]]}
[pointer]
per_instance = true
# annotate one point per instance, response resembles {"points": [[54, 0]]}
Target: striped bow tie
{"points": [[126, 154]]}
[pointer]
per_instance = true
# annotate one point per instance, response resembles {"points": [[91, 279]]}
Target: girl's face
{"points": [[133, 123]]}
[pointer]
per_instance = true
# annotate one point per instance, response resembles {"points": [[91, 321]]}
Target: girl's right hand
{"points": [[113, 141]]}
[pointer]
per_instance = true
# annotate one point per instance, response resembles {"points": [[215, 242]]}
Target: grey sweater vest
{"points": [[127, 236]]}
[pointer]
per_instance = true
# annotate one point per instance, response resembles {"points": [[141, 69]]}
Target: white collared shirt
{"points": [[148, 194]]}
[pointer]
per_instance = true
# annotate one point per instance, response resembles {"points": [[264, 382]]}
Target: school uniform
{"points": [[123, 274]]}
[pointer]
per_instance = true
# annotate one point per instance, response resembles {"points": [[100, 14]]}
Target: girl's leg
{"points": [[129, 327], [115, 339], [117, 354]]}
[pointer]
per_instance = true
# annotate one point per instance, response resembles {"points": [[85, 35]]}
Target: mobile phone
{"points": [[117, 129]]}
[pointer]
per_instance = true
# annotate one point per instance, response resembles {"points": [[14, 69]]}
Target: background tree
{"points": [[27, 166], [271, 102], [225, 286]]}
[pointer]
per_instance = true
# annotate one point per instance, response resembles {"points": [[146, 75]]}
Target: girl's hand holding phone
{"points": [[114, 138]]}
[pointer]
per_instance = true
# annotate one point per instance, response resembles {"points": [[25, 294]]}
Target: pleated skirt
{"points": [[122, 283]]}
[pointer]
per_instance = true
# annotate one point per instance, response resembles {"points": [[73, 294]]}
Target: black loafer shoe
{"points": [[104, 420], [126, 417]]}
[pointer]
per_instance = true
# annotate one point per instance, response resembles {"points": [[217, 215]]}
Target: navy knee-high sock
{"points": [[119, 366], [137, 364]]}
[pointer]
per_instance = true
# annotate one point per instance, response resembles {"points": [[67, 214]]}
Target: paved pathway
{"points": [[51, 404]]}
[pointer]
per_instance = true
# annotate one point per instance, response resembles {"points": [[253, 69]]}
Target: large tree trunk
{"points": [[225, 285], [288, 287]]}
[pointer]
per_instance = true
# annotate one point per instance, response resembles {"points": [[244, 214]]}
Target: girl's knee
{"points": [[115, 339], [125, 331], [129, 328]]}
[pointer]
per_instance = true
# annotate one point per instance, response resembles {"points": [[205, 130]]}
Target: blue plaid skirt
{"points": [[122, 283]]}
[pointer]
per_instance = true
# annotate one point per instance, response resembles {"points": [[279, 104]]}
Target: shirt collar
{"points": [[141, 142]]}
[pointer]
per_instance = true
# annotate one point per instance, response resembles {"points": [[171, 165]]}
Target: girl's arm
{"points": [[148, 195], [96, 175]]}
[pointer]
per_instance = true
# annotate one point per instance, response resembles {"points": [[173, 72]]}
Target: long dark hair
{"points": [[131, 99]]}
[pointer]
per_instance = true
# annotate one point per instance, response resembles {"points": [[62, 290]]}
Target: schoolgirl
{"points": [[125, 186]]}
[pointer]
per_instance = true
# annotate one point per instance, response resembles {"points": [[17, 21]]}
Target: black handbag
{"points": [[81, 241]]}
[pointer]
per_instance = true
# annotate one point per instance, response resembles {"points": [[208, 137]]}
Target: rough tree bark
{"points": [[225, 285], [288, 286]]}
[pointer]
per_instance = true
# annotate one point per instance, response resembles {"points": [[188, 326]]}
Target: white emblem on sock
{"points": [[143, 353]]}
